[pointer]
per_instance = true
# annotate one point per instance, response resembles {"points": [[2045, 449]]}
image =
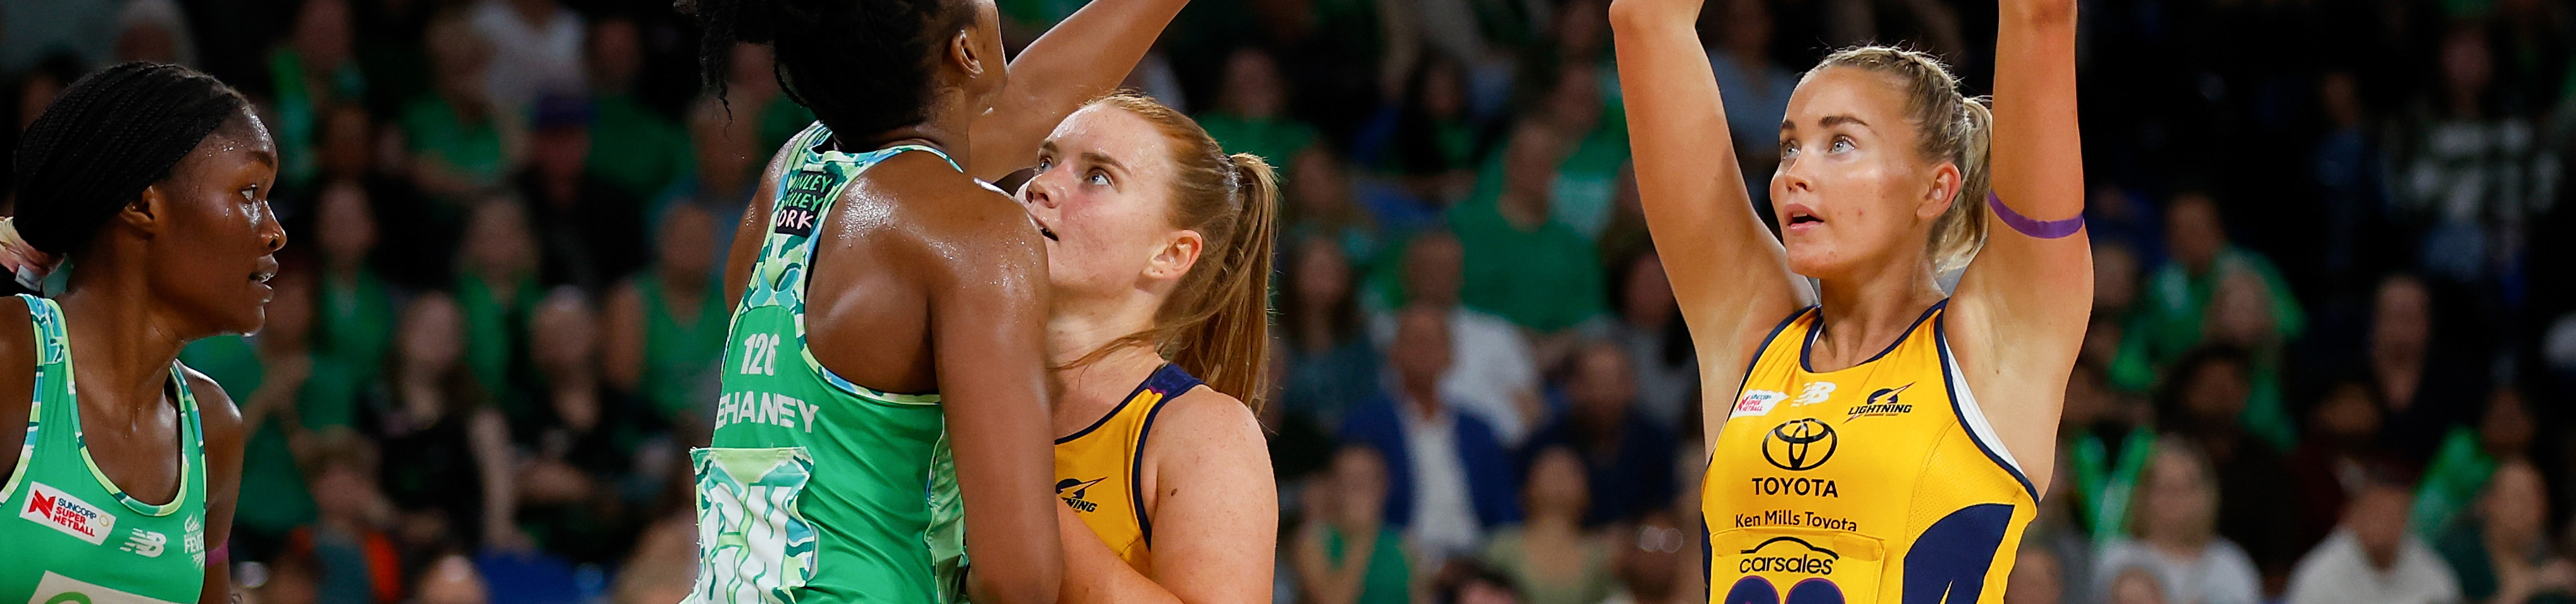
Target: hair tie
{"points": [[2043, 229], [25, 263]]}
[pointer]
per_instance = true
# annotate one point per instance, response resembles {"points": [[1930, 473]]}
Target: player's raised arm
{"points": [[1077, 60], [2025, 302], [1728, 273]]}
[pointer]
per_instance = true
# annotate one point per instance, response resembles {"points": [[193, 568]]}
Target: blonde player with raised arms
{"points": [[1873, 438]]}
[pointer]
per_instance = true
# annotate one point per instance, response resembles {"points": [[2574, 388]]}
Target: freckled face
{"points": [[1852, 189], [1102, 197]]}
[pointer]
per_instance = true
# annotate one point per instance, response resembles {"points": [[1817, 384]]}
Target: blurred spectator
{"points": [[355, 326], [2460, 469], [2136, 585], [2425, 394], [2108, 444], [1626, 460], [1344, 555], [1331, 366], [37, 87], [1649, 329], [2352, 183], [447, 459], [1494, 376], [2203, 401], [2505, 555], [2327, 467], [2054, 533], [1321, 203], [155, 31], [2372, 557], [2179, 305], [496, 286], [1549, 555], [452, 579], [2241, 315], [2036, 578], [313, 73], [665, 327], [2176, 535], [1470, 583], [85, 29], [460, 141], [731, 137], [1521, 263], [1449, 479], [2475, 171], [1586, 180], [358, 561], [536, 50], [290, 580], [1756, 88], [591, 231], [766, 116], [579, 449], [664, 566], [1428, 139], [1251, 111], [1650, 570], [634, 147]]}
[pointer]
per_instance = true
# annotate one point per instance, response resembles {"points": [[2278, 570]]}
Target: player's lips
{"points": [[1797, 217], [1043, 229]]}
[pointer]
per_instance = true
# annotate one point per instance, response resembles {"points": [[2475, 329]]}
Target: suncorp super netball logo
{"points": [[52, 507]]}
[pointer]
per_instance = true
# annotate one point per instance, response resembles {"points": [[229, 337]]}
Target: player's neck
{"points": [[1087, 392], [121, 343], [1863, 315]]}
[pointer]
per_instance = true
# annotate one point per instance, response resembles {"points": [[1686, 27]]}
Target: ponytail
{"points": [[1229, 347], [1961, 230]]}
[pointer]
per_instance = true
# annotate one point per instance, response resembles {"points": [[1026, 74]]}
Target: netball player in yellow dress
{"points": [[1872, 438]]}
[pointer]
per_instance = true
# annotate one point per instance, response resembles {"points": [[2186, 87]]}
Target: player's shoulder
{"points": [[216, 412], [948, 215], [1204, 414]]}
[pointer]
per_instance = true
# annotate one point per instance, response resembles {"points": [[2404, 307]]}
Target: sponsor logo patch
{"points": [[1072, 490], [148, 544], [1882, 402], [1815, 392], [1800, 444], [1797, 556], [796, 204], [52, 507], [1757, 402]]}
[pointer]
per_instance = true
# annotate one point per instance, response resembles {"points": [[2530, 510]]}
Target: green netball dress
{"points": [[73, 537], [817, 489]]}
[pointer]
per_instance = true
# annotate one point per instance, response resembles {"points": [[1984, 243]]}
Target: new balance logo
{"points": [[148, 544]]}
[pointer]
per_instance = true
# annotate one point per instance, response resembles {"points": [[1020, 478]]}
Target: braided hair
{"points": [[108, 136], [861, 66]]}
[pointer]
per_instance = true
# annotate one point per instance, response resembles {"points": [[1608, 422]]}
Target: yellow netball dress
{"points": [[1882, 482], [1099, 471]]}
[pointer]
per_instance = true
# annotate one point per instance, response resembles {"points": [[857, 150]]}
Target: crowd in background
{"points": [[2333, 344]]}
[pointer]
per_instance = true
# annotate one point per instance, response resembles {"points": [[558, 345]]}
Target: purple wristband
{"points": [[2043, 229]]}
